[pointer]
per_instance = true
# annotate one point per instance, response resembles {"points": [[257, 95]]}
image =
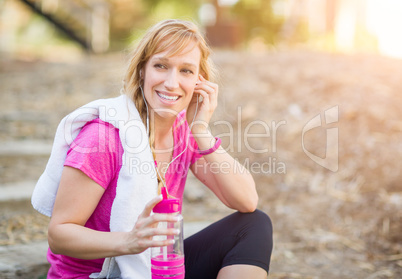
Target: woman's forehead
{"points": [[174, 46], [190, 54]]}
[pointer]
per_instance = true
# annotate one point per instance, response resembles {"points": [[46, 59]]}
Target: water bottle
{"points": [[168, 261]]}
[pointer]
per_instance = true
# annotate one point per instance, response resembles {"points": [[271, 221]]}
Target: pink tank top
{"points": [[102, 164]]}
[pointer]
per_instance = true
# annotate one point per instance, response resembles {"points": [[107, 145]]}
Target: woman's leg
{"points": [[242, 271], [240, 242]]}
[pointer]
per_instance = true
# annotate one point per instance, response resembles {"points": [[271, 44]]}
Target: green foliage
{"points": [[163, 9], [258, 20], [147, 12]]}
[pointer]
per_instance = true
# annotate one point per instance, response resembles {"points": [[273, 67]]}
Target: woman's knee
{"points": [[263, 219], [259, 219], [263, 230], [257, 232]]}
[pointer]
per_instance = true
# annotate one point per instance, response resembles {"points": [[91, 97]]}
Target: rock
{"points": [[24, 261]]}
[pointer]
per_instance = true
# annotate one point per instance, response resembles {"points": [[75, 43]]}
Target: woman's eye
{"points": [[160, 66], [187, 71]]}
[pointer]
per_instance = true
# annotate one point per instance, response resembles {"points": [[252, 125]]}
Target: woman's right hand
{"points": [[141, 236]]}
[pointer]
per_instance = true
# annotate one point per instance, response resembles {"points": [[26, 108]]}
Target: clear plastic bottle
{"points": [[168, 261]]}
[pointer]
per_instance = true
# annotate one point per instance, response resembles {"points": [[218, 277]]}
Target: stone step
{"points": [[21, 190], [29, 260], [25, 148]]}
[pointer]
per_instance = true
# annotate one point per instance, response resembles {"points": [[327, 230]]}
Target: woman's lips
{"points": [[167, 97]]}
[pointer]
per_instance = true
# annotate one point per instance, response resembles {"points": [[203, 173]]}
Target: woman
{"points": [[167, 82]]}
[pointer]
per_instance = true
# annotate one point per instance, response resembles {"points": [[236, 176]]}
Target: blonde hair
{"points": [[171, 34]]}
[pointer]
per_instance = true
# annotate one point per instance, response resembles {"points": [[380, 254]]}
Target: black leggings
{"points": [[240, 238]]}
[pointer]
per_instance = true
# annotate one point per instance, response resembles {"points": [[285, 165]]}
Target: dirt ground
{"points": [[341, 222]]}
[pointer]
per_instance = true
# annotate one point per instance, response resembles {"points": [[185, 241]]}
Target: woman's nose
{"points": [[171, 81]]}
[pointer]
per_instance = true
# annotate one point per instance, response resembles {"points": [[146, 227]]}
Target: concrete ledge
{"points": [[25, 148]]}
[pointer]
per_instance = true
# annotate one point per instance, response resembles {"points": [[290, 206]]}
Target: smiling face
{"points": [[169, 81]]}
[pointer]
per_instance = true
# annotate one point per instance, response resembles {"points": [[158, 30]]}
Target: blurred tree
{"points": [[295, 24], [224, 31], [125, 17], [129, 18], [258, 20], [163, 9]]}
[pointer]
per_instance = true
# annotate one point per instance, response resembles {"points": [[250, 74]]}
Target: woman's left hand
{"points": [[209, 92]]}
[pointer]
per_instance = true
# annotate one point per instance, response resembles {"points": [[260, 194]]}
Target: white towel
{"points": [[135, 186]]}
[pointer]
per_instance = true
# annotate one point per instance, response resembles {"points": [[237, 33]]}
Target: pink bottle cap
{"points": [[167, 205]]}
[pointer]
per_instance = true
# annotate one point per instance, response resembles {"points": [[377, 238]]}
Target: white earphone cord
{"points": [[188, 137]]}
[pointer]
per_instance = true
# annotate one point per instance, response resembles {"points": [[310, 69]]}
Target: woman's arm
{"points": [[229, 180], [76, 200]]}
